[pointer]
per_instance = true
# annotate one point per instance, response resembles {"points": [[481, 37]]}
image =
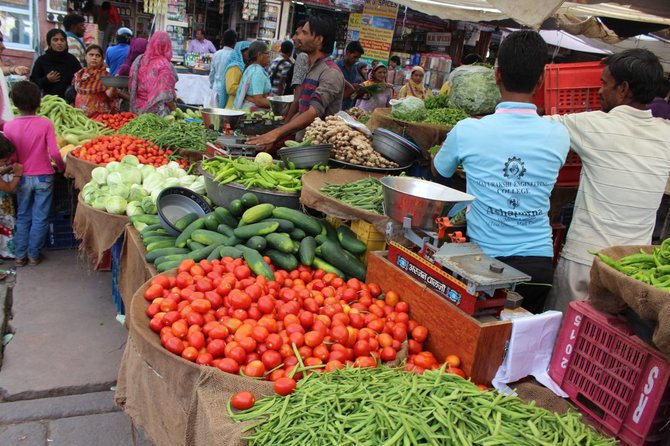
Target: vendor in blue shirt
{"points": [[116, 54], [511, 161], [349, 67]]}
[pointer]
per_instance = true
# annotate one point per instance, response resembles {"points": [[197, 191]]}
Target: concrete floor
{"points": [[58, 371]]}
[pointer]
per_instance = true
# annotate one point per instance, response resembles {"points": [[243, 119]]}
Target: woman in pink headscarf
{"points": [[153, 78]]}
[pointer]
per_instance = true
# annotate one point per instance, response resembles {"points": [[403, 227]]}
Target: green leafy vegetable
{"points": [[474, 90]]}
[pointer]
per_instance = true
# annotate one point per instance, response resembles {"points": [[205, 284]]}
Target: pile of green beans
{"points": [[146, 126], [386, 406], [170, 134], [651, 268], [366, 194]]}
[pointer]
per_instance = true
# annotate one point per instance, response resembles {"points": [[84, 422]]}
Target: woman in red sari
{"points": [[153, 79], [93, 97]]}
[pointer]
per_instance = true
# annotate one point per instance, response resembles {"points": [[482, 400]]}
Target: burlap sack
{"points": [[134, 270], [313, 181], [612, 291], [424, 135], [79, 170], [96, 229], [532, 391], [175, 401]]}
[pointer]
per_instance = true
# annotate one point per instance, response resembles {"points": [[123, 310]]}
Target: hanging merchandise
{"points": [[250, 10], [155, 7]]}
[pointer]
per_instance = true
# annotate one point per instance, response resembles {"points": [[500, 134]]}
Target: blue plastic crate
{"points": [[60, 235], [116, 269], [64, 198]]}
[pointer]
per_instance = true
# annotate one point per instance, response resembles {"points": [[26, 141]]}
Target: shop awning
{"points": [[533, 12]]}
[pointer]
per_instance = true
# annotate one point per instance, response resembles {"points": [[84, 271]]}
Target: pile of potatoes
{"points": [[349, 145]]}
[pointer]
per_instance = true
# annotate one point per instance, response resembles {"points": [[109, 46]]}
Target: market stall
{"points": [[194, 89]]}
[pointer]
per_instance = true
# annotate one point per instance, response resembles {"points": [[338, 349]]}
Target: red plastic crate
{"points": [[613, 376], [572, 87], [568, 176]]}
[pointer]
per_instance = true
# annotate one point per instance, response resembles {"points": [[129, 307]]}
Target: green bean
{"points": [[365, 194]]}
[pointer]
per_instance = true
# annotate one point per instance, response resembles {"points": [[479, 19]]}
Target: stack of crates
{"points": [[63, 206], [365, 232]]}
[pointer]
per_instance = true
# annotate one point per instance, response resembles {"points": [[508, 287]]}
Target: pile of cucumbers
{"points": [[249, 229]]}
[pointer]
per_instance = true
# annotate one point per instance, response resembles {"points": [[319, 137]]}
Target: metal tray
{"points": [[346, 165]]}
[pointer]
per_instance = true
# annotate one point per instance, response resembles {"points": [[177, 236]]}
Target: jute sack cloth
{"points": [[424, 135], [133, 269], [96, 229], [175, 401], [611, 291], [311, 196], [79, 170]]}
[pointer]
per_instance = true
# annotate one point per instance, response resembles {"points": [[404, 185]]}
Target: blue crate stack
{"points": [[63, 206]]}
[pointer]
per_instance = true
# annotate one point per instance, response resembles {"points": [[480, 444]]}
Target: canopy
{"points": [[533, 12]]}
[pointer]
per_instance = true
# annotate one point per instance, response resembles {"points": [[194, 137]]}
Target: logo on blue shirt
{"points": [[514, 168]]}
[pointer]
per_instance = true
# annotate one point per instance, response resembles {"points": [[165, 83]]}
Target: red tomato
{"points": [[216, 348], [271, 359], [284, 386], [228, 365], [255, 369], [243, 401], [175, 345], [420, 333], [154, 291]]}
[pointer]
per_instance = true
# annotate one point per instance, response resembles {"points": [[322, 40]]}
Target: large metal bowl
{"points": [[422, 200], [306, 157], [114, 81], [175, 202], [394, 147], [280, 104], [217, 118]]}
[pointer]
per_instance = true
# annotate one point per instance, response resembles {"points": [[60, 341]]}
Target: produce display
{"points": [[69, 122], [115, 121], [170, 135], [386, 406], [131, 188], [359, 114], [410, 109], [445, 116], [261, 172], [651, 268], [145, 126], [433, 111], [105, 149], [439, 101], [177, 114], [349, 145], [474, 90], [366, 194]]}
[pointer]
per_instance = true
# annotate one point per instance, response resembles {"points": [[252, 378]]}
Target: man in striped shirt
{"points": [[625, 164]]}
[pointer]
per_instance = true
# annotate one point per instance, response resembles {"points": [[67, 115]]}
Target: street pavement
{"points": [[59, 370]]}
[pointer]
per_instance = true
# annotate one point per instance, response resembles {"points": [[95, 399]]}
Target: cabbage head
{"points": [[130, 160], [474, 89], [408, 109], [116, 205], [114, 178], [147, 169], [100, 202], [136, 193], [131, 175], [119, 190], [149, 205], [89, 192], [153, 181], [171, 182], [134, 208], [187, 180], [263, 159], [112, 166], [198, 186], [99, 175]]}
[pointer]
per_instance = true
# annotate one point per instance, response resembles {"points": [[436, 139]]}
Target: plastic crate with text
{"points": [[572, 87], [368, 234], [613, 376]]}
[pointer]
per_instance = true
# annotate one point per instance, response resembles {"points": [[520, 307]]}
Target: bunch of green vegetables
{"points": [[445, 116], [387, 406], [366, 194], [261, 173], [652, 268], [146, 126], [439, 101], [170, 134]]}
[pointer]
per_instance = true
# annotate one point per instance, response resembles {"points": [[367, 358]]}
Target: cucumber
{"points": [[307, 251], [297, 234], [327, 267], [186, 233], [225, 230], [150, 228], [249, 200], [158, 238], [349, 241], [230, 251], [260, 228], [257, 213], [156, 253], [331, 232], [155, 233], [184, 221], [215, 254], [200, 254], [257, 242], [236, 208], [208, 237], [284, 225], [165, 266], [170, 258], [256, 262], [334, 254], [147, 219], [194, 245], [282, 260], [296, 246], [308, 224], [211, 222], [224, 216], [280, 241], [160, 244]]}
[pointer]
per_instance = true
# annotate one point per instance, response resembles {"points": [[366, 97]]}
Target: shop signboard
{"points": [[441, 40], [354, 26], [377, 26], [344, 5]]}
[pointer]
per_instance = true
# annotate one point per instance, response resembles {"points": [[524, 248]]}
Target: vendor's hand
{"points": [[21, 70], [53, 77], [266, 141], [18, 169]]}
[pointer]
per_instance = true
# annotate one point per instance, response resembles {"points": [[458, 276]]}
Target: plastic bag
{"points": [[474, 89], [409, 108]]}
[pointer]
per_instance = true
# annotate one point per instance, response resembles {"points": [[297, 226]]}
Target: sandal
{"points": [[21, 262], [34, 262]]}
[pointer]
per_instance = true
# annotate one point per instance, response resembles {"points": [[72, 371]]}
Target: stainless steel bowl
{"points": [[280, 104], [175, 202], [306, 157], [394, 147], [217, 118], [114, 81], [422, 200]]}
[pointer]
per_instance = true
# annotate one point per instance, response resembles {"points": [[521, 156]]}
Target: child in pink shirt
{"points": [[35, 141]]}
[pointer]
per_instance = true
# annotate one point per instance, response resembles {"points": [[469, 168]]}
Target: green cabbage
{"points": [[100, 202], [112, 166], [130, 160], [153, 181], [187, 180], [89, 192], [114, 178], [474, 89], [408, 109], [148, 205], [147, 169], [134, 208], [99, 175], [198, 186], [116, 205], [136, 193], [119, 190], [263, 159]]}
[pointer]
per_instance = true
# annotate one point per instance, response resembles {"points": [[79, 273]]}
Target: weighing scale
{"points": [[231, 145], [458, 271]]}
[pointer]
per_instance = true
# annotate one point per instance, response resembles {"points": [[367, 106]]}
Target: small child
{"points": [[10, 175], [35, 141]]}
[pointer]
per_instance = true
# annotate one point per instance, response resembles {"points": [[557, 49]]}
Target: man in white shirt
{"points": [[625, 155], [217, 74]]}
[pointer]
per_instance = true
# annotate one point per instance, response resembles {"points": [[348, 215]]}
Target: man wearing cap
{"points": [[75, 27], [116, 54]]}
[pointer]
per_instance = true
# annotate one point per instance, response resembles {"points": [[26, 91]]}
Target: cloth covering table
{"points": [[79, 170], [194, 89], [134, 270]]}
